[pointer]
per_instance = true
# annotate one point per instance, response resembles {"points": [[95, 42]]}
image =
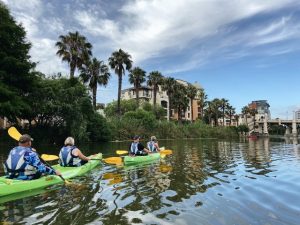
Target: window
{"points": [[188, 115]]}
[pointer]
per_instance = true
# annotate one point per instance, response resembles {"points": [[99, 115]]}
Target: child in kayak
{"points": [[70, 155], [23, 163], [153, 144], [136, 148]]}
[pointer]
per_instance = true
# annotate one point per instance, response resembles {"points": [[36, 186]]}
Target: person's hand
{"points": [[58, 173], [33, 149]]}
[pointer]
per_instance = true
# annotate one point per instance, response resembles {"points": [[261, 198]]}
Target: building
{"points": [[146, 94], [262, 108], [297, 115]]}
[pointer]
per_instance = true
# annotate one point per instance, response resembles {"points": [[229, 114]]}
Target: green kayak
{"points": [[139, 159], [10, 186]]}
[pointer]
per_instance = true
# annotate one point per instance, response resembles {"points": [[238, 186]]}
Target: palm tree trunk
{"points": [[94, 96], [169, 107], [192, 111], [223, 116], [137, 95], [154, 98], [72, 71], [119, 92]]}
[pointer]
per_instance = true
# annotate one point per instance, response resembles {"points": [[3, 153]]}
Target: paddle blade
{"points": [[14, 133], [166, 152], [49, 157], [121, 152], [113, 160]]}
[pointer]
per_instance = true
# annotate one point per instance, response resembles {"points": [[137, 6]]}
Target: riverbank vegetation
{"points": [[51, 107]]}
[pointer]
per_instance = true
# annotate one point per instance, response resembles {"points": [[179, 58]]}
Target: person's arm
{"points": [[33, 159], [157, 147], [141, 147], [78, 153]]}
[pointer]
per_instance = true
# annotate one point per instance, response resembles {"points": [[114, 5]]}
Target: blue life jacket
{"points": [[66, 158], [151, 146], [134, 148], [15, 164]]}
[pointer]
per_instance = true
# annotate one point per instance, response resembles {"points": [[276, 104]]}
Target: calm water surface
{"points": [[203, 182]]}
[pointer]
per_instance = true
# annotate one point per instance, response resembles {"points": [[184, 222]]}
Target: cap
{"points": [[136, 137], [25, 138]]}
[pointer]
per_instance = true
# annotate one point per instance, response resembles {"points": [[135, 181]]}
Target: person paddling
{"points": [[136, 148], [153, 144], [23, 163], [70, 155]]}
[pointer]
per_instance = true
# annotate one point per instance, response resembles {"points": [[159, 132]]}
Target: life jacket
{"points": [[66, 157], [15, 164], [134, 148], [151, 146]]}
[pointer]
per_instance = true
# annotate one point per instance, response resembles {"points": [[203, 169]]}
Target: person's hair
{"points": [[69, 141], [153, 138]]}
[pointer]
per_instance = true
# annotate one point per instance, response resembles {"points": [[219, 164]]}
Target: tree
{"points": [[202, 102], [117, 61], [192, 92], [168, 84], [74, 49], [180, 99], [216, 105], [245, 112], [17, 80], [137, 76], [155, 79], [230, 112], [96, 73], [223, 105], [126, 106]]}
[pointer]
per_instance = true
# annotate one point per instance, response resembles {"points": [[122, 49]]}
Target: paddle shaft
{"points": [[43, 161]]}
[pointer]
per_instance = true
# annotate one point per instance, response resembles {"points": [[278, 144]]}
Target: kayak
{"points": [[141, 159], [12, 186]]}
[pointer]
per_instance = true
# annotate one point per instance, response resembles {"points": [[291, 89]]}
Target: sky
{"points": [[241, 50]]}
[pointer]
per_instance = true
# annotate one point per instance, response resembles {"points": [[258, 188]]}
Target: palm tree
{"points": [[137, 76], [168, 84], [230, 112], [245, 112], [192, 93], [96, 73], [155, 78], [224, 105], [216, 105], [180, 100], [117, 61], [74, 49], [202, 102]]}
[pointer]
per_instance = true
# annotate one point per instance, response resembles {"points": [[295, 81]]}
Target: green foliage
{"points": [[243, 128], [126, 106], [16, 80], [98, 128]]}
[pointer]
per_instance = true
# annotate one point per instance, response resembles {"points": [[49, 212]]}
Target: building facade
{"points": [[146, 94]]}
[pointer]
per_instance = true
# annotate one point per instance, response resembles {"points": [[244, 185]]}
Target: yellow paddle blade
{"points": [[162, 156], [166, 152], [113, 160], [49, 157], [121, 152], [14, 133]]}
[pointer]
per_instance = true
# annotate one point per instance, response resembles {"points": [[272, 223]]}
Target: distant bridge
{"points": [[291, 125]]}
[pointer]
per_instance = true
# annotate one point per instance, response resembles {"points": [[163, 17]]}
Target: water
{"points": [[203, 182]]}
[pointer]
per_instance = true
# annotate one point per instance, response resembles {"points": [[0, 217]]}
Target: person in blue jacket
{"points": [[23, 162], [70, 155], [136, 148]]}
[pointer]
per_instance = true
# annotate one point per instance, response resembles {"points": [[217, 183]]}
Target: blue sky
{"points": [[242, 50]]}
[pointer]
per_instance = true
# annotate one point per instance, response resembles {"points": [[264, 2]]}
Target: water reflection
{"points": [[203, 182]]}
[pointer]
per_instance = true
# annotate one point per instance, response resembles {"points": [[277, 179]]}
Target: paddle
{"points": [[15, 134], [163, 151]]}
